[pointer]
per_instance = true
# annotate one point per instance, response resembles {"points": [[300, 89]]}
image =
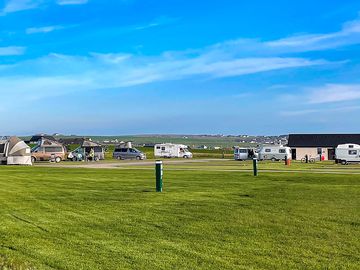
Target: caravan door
{"points": [[2, 153]]}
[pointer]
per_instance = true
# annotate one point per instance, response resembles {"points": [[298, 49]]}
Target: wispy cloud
{"points": [[101, 71], [44, 29], [348, 35], [19, 5], [12, 50], [331, 93], [72, 2], [304, 112]]}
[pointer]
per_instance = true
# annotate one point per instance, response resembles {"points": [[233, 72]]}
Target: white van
{"points": [[347, 153], [274, 152], [169, 150], [244, 153]]}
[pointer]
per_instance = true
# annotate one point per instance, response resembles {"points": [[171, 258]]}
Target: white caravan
{"points": [[274, 152], [347, 153], [169, 150], [14, 151], [244, 153]]}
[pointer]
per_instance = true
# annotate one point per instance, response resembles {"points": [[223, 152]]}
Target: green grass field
{"points": [[61, 218]]}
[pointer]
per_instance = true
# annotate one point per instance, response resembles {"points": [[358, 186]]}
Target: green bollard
{"points": [[159, 175], [255, 166]]}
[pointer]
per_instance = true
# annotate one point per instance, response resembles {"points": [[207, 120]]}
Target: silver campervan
{"points": [[122, 153]]}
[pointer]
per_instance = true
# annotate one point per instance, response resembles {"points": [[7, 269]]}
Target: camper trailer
{"points": [[169, 150], [47, 150], [14, 151], [274, 153], [347, 153], [83, 152], [244, 153]]}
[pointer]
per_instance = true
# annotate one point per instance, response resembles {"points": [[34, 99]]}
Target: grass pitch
{"points": [[70, 218]]}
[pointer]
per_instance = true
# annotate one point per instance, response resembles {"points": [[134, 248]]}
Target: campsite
{"points": [[179, 135], [212, 214]]}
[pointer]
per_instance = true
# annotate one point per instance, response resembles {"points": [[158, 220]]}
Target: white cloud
{"points": [[326, 111], [331, 93], [101, 71], [44, 29], [18, 5], [348, 35], [4, 51], [72, 2]]}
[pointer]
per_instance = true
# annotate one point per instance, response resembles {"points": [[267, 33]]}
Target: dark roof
{"points": [[68, 141], [39, 137], [322, 140]]}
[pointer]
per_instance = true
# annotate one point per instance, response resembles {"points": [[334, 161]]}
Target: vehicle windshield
{"points": [[35, 148]]}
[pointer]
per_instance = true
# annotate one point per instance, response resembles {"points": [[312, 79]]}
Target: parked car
{"points": [[47, 153], [241, 153], [128, 153]]}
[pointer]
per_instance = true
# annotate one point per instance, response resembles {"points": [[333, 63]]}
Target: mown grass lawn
{"points": [[61, 218]]}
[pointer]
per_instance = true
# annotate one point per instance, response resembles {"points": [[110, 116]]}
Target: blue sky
{"points": [[102, 67]]}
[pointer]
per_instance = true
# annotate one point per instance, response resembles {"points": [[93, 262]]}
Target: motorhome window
{"points": [[267, 150], [163, 148], [353, 152], [351, 146], [243, 151], [319, 151], [133, 151], [158, 147], [2, 148], [282, 151], [124, 150]]}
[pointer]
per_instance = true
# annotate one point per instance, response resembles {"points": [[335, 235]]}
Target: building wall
{"points": [[311, 152]]}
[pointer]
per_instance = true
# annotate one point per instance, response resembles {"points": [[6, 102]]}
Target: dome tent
{"points": [[14, 151]]}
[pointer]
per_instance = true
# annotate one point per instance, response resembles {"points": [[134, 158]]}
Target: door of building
{"points": [[331, 154], [293, 154]]}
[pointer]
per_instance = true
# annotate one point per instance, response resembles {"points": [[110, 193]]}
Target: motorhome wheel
{"points": [[33, 159]]}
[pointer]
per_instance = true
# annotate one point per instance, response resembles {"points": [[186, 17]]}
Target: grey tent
{"points": [[14, 151]]}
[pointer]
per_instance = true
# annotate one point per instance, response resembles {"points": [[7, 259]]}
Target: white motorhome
{"points": [[241, 153], [347, 153], [169, 150], [14, 151], [274, 152]]}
